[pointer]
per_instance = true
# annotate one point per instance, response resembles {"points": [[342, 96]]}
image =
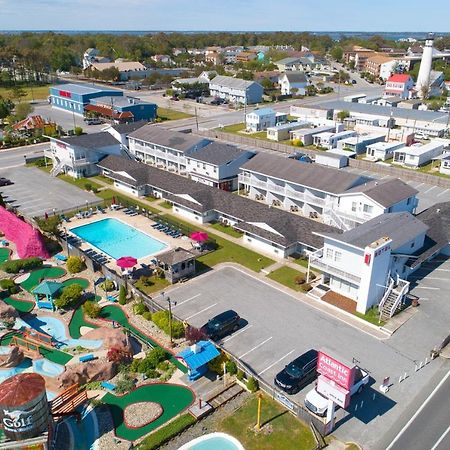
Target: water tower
{"points": [[423, 79]]}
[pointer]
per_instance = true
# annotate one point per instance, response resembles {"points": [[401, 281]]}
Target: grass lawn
{"points": [[372, 316], [102, 178], [286, 431], [286, 275], [171, 114], [166, 205], [229, 252], [108, 194], [36, 92], [235, 128], [228, 230], [301, 262], [155, 284], [79, 182]]}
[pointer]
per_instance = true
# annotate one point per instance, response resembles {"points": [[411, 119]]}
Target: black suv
{"points": [[221, 325], [298, 373]]}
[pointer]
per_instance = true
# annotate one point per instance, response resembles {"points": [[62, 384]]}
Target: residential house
{"points": [[306, 135], [368, 263], [332, 158], [261, 119], [390, 101], [236, 90], [78, 156], [217, 165], [381, 151], [400, 85], [271, 75], [360, 142], [230, 54], [412, 103], [330, 140], [293, 83], [164, 148], [163, 59], [127, 69], [246, 56], [307, 113], [417, 155], [281, 132], [214, 55], [92, 55], [287, 64]]}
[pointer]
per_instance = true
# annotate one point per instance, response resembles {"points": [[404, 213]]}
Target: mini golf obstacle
{"points": [[67, 403], [30, 342]]}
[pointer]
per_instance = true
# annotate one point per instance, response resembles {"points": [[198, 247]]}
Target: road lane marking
{"points": [[201, 311], [435, 446], [442, 193], [430, 189], [410, 421], [236, 334], [276, 362], [256, 347], [187, 300]]}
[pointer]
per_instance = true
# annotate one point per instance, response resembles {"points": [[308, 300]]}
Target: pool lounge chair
{"points": [[107, 385]]}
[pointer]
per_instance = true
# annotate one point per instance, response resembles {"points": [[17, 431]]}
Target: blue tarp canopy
{"points": [[206, 351]]}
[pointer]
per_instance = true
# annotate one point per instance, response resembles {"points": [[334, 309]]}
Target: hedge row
{"points": [[16, 265], [165, 434]]}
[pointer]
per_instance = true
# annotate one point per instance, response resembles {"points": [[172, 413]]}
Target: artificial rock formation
{"points": [[83, 373], [11, 359]]}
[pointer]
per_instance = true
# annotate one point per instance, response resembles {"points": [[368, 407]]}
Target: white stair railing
{"points": [[386, 295], [404, 288]]}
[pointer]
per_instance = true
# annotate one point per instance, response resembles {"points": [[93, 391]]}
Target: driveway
{"points": [[278, 327], [34, 192]]}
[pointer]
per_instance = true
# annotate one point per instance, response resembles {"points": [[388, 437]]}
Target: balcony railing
{"points": [[317, 260]]}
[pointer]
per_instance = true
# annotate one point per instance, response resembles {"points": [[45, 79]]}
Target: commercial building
{"points": [[236, 90], [122, 109], [127, 69], [74, 97], [380, 66]]}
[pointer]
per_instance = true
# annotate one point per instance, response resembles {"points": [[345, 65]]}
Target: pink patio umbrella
{"points": [[125, 262], [199, 236]]}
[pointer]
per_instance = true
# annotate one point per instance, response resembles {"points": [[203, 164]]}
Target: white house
{"points": [[293, 82], [163, 148], [359, 143], [417, 155], [217, 165], [261, 119], [306, 135], [330, 140], [236, 90], [281, 132], [381, 151], [368, 263], [399, 85], [78, 156]]}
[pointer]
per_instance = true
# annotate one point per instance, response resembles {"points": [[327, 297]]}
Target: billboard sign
{"points": [[335, 371], [65, 94], [284, 400], [333, 391]]}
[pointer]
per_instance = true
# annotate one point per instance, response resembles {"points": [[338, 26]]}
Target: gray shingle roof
{"points": [[289, 60], [401, 227], [234, 83], [217, 153], [127, 128], [289, 228], [312, 175], [175, 256], [91, 141], [167, 138], [385, 192], [295, 76]]}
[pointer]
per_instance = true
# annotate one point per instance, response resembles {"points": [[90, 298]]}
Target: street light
{"points": [[67, 241], [170, 303]]}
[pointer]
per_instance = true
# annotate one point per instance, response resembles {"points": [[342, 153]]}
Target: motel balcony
{"points": [[318, 261]]}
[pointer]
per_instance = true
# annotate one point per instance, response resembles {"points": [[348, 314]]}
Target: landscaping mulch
{"points": [[342, 302]]}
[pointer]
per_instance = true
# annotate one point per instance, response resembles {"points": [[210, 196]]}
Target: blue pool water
{"points": [[216, 441], [55, 328], [47, 368], [11, 371], [117, 239]]}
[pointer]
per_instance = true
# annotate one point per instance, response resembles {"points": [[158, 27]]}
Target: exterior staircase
{"points": [[57, 169], [393, 299]]}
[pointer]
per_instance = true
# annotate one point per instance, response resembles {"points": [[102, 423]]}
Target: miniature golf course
{"points": [[4, 254], [22, 306], [37, 276], [52, 354], [116, 314], [172, 398], [76, 322]]}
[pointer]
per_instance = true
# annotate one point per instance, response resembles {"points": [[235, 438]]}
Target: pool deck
{"points": [[139, 222]]}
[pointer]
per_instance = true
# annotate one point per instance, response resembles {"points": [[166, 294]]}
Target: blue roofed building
{"points": [[197, 357]]}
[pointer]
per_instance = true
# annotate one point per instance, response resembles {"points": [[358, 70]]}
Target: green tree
{"points": [[6, 106], [75, 264], [337, 53], [122, 295], [2, 202], [49, 225], [78, 131], [23, 110], [342, 115], [70, 296], [91, 309], [17, 92], [266, 83]]}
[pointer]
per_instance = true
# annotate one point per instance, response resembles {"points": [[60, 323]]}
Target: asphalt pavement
{"points": [[14, 157]]}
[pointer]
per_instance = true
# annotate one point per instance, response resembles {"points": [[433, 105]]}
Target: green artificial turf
{"points": [[37, 275], [172, 398], [4, 254], [22, 306], [83, 282], [77, 322]]}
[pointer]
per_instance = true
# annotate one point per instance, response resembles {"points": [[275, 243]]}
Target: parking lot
{"points": [[34, 192], [428, 194], [276, 328]]}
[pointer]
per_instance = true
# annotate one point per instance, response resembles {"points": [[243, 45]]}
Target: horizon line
{"points": [[220, 31]]}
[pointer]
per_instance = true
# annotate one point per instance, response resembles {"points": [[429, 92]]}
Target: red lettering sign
{"points": [[334, 370], [65, 94]]}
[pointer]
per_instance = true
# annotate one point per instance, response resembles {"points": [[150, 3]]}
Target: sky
{"points": [[227, 15]]}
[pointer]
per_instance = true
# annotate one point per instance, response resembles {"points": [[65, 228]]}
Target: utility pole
{"points": [[196, 118]]}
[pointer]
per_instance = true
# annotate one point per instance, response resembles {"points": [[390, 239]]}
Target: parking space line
{"points": [[199, 312], [442, 193], [187, 300], [256, 347], [236, 334], [426, 287], [418, 186], [276, 362], [430, 189]]}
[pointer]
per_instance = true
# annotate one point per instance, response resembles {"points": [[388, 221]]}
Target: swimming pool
{"points": [[117, 239], [216, 441]]}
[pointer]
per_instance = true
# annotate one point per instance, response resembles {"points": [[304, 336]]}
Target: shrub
{"points": [[216, 365], [91, 309], [70, 296], [166, 433], [16, 265], [231, 367], [49, 225], [299, 279], [252, 384], [312, 276], [75, 264], [88, 186], [240, 375], [94, 190], [161, 320], [152, 373], [163, 365], [122, 295], [117, 355], [153, 358], [194, 335], [8, 285], [125, 384], [147, 315], [139, 308], [306, 287], [107, 285]]}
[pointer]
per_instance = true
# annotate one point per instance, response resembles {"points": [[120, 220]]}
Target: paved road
{"points": [[429, 426], [15, 157]]}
